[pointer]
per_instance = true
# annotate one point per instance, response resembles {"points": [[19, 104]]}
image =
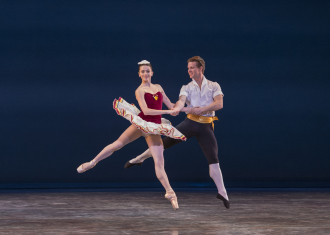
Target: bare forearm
{"points": [[155, 112], [203, 110], [186, 109], [213, 107], [179, 105], [170, 105]]}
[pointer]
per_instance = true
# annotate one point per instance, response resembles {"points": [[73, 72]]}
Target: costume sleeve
{"points": [[184, 91], [216, 89]]}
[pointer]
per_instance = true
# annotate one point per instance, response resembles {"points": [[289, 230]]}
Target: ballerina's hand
{"points": [[171, 112], [175, 111]]}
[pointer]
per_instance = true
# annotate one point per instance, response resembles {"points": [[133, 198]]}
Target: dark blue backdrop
{"points": [[63, 63]]}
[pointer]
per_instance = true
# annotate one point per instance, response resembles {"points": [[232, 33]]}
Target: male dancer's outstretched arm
{"points": [[179, 106]]}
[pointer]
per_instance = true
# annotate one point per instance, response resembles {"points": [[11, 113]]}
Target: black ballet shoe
{"points": [[226, 203], [128, 164]]}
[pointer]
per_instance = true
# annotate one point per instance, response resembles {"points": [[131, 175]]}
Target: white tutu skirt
{"points": [[131, 112]]}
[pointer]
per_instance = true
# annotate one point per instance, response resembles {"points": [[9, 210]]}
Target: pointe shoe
{"points": [[226, 203], [173, 199], [128, 164], [86, 166]]}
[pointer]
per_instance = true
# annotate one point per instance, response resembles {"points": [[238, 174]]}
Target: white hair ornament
{"points": [[143, 62]]}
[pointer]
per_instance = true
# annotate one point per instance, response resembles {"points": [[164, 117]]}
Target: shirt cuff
{"points": [[218, 93], [183, 93]]}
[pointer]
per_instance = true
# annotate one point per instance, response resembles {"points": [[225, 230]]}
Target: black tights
{"points": [[204, 134]]}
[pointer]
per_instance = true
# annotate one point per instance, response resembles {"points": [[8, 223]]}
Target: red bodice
{"points": [[154, 101]]}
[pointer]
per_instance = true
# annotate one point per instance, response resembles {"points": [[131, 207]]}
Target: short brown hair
{"points": [[199, 61]]}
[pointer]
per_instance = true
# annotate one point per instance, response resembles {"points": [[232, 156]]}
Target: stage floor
{"points": [[132, 212]]}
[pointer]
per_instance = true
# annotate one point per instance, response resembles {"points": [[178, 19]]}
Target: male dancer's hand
{"points": [[197, 110], [176, 111]]}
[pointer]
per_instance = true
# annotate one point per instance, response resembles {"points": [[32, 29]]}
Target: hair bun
{"points": [[143, 62]]}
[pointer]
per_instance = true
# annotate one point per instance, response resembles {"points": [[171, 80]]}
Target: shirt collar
{"points": [[204, 82]]}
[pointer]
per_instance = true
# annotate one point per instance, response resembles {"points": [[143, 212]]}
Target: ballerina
{"points": [[147, 123]]}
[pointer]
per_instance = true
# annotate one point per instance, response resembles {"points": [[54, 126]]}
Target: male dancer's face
{"points": [[193, 71]]}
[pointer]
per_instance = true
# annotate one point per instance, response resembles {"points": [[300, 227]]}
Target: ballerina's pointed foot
{"points": [[86, 166], [173, 199]]}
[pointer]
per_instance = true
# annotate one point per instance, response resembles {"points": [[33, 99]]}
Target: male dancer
{"points": [[202, 97]]}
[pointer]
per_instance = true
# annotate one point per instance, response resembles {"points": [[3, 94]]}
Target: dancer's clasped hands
{"points": [[175, 111], [192, 110]]}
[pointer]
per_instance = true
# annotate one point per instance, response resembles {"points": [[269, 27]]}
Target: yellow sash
{"points": [[202, 119]]}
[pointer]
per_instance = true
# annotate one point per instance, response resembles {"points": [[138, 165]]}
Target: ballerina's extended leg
{"points": [[129, 135]]}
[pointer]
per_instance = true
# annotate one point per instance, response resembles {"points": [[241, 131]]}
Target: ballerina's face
{"points": [[145, 73]]}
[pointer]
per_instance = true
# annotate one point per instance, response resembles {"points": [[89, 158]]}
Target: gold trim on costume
{"points": [[130, 112], [202, 119]]}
